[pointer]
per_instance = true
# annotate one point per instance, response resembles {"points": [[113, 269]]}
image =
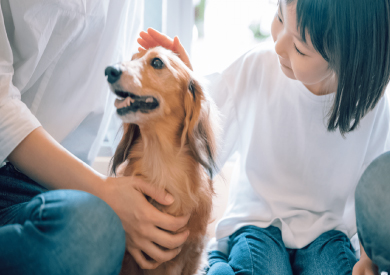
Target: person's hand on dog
{"points": [[153, 38], [145, 226]]}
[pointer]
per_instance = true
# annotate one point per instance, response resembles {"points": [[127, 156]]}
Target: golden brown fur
{"points": [[173, 147]]}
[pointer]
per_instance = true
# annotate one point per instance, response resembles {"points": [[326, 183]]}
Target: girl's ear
{"points": [[198, 126], [131, 133]]}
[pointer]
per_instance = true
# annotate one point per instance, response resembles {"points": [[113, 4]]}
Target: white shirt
{"points": [[52, 60], [292, 172]]}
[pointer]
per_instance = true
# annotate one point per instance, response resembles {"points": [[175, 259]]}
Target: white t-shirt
{"points": [[52, 60], [292, 172]]}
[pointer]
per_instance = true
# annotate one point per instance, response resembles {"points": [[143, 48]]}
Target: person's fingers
{"points": [[160, 196], [143, 43], [141, 260], [159, 255], [140, 49], [178, 48], [169, 222], [149, 40], [168, 240], [160, 38]]}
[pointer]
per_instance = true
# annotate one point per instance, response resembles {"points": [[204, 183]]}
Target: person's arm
{"points": [[33, 151], [364, 266], [44, 160]]}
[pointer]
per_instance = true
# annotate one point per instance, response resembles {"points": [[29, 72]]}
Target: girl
{"points": [[307, 116]]}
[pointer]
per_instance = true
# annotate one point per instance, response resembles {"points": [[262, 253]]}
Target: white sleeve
{"points": [[224, 99], [16, 120], [221, 245], [234, 90], [380, 135]]}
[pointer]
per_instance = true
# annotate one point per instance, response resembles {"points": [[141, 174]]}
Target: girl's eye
{"points": [[157, 63], [298, 51], [280, 19]]}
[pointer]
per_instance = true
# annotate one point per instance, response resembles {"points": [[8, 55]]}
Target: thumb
{"points": [[179, 49], [159, 195]]}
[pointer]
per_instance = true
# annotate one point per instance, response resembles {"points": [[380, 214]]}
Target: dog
{"points": [[170, 140]]}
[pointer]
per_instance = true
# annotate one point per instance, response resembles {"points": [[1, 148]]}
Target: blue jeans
{"points": [[261, 251], [56, 232], [372, 198]]}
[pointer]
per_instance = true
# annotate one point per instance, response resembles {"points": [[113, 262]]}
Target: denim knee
{"points": [[255, 250], [83, 228], [331, 253], [373, 211]]}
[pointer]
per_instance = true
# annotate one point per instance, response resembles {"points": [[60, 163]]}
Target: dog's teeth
{"points": [[128, 101], [149, 100]]}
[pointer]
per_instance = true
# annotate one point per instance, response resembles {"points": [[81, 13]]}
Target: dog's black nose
{"points": [[113, 73]]}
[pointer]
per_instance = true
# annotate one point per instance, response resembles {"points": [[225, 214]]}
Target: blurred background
{"points": [[224, 30]]}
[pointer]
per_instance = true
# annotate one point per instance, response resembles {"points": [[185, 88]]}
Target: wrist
{"points": [[100, 186], [107, 190]]}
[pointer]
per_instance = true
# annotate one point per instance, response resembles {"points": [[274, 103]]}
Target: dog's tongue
{"points": [[121, 103]]}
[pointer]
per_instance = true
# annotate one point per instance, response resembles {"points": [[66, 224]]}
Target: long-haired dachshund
{"points": [[169, 140]]}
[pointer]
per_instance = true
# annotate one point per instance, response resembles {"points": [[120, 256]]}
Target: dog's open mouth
{"points": [[129, 102]]}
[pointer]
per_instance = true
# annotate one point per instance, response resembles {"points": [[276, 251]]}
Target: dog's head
{"points": [[156, 88]]}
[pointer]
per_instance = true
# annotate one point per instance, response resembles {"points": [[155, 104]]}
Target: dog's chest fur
{"points": [[168, 169]]}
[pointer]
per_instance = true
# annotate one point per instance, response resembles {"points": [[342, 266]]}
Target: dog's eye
{"points": [[157, 63]]}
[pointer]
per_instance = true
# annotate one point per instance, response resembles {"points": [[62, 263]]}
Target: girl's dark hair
{"points": [[353, 37]]}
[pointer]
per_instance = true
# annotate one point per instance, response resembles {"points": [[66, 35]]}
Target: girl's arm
{"points": [[45, 161], [364, 266]]}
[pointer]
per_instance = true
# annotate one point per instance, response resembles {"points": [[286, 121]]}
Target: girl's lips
{"points": [[285, 66]]}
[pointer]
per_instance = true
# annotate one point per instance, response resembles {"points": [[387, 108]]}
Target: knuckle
{"points": [[147, 216], [138, 216], [143, 264], [160, 259], [170, 244], [154, 265], [166, 256], [175, 226], [181, 238], [142, 230], [177, 251], [137, 243]]}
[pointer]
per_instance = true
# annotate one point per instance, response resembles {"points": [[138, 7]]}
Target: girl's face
{"points": [[299, 60]]}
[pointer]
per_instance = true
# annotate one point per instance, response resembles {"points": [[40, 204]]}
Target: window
{"points": [[226, 29]]}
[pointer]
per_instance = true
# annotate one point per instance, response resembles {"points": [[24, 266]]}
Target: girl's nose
{"points": [[281, 44], [113, 73]]}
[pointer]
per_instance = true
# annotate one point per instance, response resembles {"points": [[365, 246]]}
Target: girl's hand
{"points": [[365, 267], [153, 38], [145, 226]]}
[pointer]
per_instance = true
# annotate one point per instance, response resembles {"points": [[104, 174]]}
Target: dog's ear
{"points": [[199, 126], [130, 134]]}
